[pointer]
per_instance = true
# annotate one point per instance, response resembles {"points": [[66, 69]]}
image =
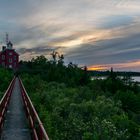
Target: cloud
{"points": [[116, 50], [114, 21], [131, 65], [86, 31]]}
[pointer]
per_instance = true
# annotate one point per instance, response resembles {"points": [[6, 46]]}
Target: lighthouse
{"points": [[9, 58]]}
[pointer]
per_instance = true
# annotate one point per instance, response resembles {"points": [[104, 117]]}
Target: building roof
{"points": [[9, 43], [13, 50]]}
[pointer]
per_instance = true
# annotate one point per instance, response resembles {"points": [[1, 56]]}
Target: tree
{"points": [[40, 60], [54, 56]]}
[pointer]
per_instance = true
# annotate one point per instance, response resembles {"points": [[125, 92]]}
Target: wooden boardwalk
{"points": [[16, 124]]}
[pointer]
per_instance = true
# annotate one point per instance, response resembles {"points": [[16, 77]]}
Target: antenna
{"points": [[7, 38]]}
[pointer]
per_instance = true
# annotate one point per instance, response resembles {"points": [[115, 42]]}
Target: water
{"points": [[135, 78]]}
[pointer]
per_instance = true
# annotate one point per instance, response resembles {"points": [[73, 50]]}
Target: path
{"points": [[16, 124]]}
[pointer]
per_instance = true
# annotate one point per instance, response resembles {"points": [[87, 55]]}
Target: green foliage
{"points": [[129, 100], [55, 71], [5, 78], [80, 113], [72, 107]]}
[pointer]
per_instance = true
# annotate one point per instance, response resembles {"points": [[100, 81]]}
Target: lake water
{"points": [[135, 78]]}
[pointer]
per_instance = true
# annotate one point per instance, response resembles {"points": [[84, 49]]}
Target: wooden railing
{"points": [[4, 103], [38, 131]]}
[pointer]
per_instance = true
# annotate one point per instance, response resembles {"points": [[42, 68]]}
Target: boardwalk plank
{"points": [[16, 125]]}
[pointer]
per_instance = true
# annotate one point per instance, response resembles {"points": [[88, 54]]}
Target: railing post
{"points": [[38, 130], [4, 103]]}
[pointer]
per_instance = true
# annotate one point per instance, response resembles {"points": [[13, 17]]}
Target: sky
{"points": [[97, 33]]}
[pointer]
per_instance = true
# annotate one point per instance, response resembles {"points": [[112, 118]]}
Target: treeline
{"points": [[118, 73], [72, 107], [54, 70]]}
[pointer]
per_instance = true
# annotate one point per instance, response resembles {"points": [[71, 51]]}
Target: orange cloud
{"points": [[97, 68], [84, 38], [132, 65]]}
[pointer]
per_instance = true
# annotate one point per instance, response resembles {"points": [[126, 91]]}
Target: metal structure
{"points": [[36, 125], [37, 130], [4, 103]]}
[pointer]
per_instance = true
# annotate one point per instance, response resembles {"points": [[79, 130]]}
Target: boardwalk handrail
{"points": [[4, 102], [36, 125]]}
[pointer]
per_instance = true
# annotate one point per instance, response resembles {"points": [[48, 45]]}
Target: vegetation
{"points": [[72, 107], [5, 77]]}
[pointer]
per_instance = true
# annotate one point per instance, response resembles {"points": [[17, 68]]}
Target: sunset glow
{"points": [[95, 33], [118, 66], [97, 68]]}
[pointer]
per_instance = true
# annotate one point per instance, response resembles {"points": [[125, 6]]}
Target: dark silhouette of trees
{"points": [[56, 70], [74, 107], [54, 56], [40, 60], [61, 59]]}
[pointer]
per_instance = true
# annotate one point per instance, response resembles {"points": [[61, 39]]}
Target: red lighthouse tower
{"points": [[9, 58]]}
